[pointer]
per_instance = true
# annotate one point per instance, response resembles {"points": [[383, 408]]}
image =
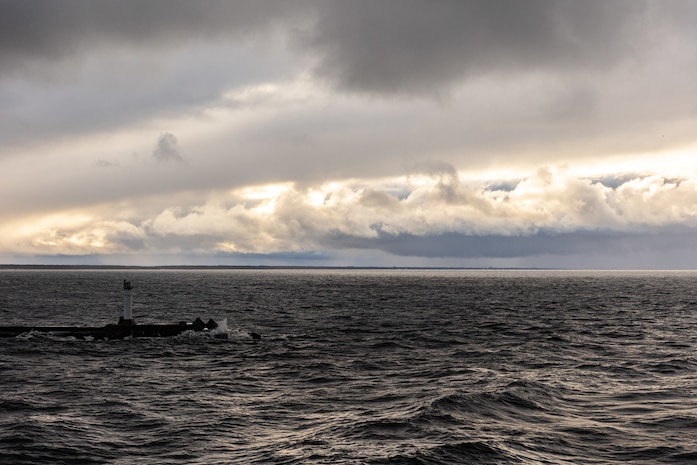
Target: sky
{"points": [[434, 133]]}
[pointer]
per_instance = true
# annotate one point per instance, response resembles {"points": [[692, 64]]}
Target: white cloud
{"points": [[328, 218]]}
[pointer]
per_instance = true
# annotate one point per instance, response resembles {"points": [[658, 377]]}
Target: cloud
{"points": [[167, 148], [599, 243], [386, 47], [51, 30], [79, 67], [418, 46], [550, 212], [543, 69]]}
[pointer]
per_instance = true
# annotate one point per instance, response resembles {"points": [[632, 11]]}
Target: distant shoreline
{"points": [[11, 267], [247, 267]]}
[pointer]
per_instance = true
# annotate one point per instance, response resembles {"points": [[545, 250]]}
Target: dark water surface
{"points": [[355, 367]]}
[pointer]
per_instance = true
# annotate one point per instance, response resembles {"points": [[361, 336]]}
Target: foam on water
{"points": [[222, 327]]}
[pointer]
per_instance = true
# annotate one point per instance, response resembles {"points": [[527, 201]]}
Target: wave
{"points": [[562, 370], [479, 452], [517, 398]]}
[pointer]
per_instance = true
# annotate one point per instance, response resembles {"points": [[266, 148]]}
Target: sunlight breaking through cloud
{"points": [[285, 218]]}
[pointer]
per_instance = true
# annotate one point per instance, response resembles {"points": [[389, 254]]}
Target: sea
{"points": [[353, 367]]}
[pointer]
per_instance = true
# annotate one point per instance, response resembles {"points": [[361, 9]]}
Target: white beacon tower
{"points": [[127, 318]]}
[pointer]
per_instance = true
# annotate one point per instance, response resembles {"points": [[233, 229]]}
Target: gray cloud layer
{"points": [[52, 30], [363, 45], [119, 62], [111, 64], [416, 45]]}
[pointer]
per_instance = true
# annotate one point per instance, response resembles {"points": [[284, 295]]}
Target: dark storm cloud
{"points": [[413, 45], [51, 30], [382, 46], [74, 67], [582, 242]]}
